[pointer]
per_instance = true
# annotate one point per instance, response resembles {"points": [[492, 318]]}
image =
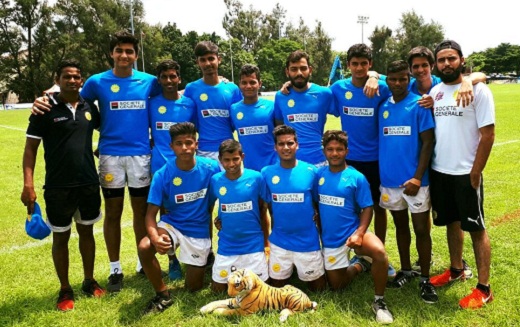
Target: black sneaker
{"points": [[428, 293], [159, 303], [400, 279], [92, 288], [115, 282]]}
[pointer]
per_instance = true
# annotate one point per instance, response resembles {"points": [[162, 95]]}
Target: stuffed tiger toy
{"points": [[250, 294]]}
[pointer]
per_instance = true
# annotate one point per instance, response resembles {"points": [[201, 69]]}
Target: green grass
{"points": [[28, 283]]}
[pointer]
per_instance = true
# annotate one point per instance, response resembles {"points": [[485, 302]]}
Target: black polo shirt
{"points": [[67, 142]]}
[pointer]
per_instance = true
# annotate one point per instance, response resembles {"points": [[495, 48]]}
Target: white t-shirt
{"points": [[457, 132]]}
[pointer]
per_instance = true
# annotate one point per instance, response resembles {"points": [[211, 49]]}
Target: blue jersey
{"points": [[341, 197], [359, 118], [163, 114], [290, 195], [412, 87], [254, 124], [213, 104], [122, 104], [400, 125], [184, 196], [239, 212], [306, 112]]}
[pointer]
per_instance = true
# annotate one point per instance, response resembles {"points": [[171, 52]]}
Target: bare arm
{"points": [[356, 239], [28, 196], [161, 242], [372, 85], [487, 138], [411, 186], [41, 105]]}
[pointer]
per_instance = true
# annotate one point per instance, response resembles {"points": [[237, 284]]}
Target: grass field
{"points": [[29, 286]]}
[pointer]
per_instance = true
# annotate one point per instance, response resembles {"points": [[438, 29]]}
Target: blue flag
{"points": [[336, 73]]}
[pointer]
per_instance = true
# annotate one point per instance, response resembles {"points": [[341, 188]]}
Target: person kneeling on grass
{"points": [[181, 186], [345, 212], [71, 181]]}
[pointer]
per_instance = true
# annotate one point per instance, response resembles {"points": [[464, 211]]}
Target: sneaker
{"points": [[445, 278], [383, 315], [467, 269], [476, 299], [92, 288], [400, 279], [115, 282], [159, 303], [175, 271], [428, 293], [391, 271], [365, 265], [65, 300]]}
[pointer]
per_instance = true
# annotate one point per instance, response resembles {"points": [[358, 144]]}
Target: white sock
{"points": [[115, 268], [377, 297], [138, 267]]}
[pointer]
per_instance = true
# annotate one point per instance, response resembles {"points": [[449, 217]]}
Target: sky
{"points": [[475, 27]]}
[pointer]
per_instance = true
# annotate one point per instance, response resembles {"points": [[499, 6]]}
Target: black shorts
{"points": [[371, 171], [62, 203], [454, 199]]}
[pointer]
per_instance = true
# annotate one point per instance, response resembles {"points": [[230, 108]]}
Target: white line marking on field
{"points": [[13, 128], [507, 142], [48, 240]]}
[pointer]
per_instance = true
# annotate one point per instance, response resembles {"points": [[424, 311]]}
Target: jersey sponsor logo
{"points": [[236, 207], [162, 110], [215, 113], [253, 130], [128, 105], [288, 197], [290, 103], [58, 119], [164, 125], [439, 96], [397, 130], [332, 200], [190, 197], [447, 111], [358, 112], [302, 118], [114, 88]]}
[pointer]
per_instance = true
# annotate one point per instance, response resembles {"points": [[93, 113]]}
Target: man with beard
{"points": [[464, 138], [305, 108]]}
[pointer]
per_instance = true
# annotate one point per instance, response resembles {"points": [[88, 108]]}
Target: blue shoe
{"points": [[391, 271], [175, 271], [365, 265]]}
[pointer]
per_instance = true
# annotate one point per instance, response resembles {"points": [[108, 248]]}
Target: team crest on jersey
{"points": [[114, 88], [290, 103], [223, 273], [348, 95], [177, 181], [222, 191], [439, 96], [203, 97], [331, 259], [162, 110], [88, 116], [240, 115], [276, 267], [385, 197], [386, 114], [322, 181], [109, 178], [275, 180]]}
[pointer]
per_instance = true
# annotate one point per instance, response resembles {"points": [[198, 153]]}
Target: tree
{"points": [[271, 60], [243, 25], [381, 39], [319, 49]]}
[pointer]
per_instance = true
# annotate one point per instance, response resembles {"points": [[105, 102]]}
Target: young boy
{"points": [[243, 232], [71, 181], [181, 188]]}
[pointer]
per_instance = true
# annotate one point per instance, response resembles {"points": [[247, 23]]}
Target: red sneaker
{"points": [[476, 299], [446, 278], [65, 300], [92, 288]]}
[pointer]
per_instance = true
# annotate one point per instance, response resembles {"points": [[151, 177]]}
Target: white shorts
{"points": [[257, 262], [211, 155], [336, 258], [393, 199], [193, 251], [308, 264], [117, 171]]}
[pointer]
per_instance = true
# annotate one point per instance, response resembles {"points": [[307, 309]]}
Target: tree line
{"points": [[35, 36]]}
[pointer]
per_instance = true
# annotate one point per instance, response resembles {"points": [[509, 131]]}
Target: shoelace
{"points": [[381, 304]]}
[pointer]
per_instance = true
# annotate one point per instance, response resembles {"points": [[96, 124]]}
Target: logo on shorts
{"points": [[114, 88], [109, 178], [223, 273], [222, 191], [417, 204], [348, 95], [331, 259], [386, 114], [385, 197], [309, 272], [162, 110], [288, 197], [177, 181], [195, 256], [240, 115], [88, 116], [322, 181], [476, 220], [275, 180], [276, 267], [290, 103], [203, 97], [190, 197]]}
